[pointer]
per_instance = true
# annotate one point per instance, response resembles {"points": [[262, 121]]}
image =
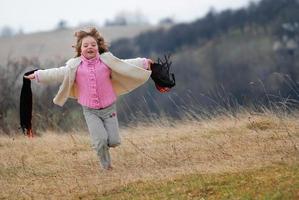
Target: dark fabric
{"points": [[161, 76], [26, 104]]}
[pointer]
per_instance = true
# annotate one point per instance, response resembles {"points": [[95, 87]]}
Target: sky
{"points": [[43, 15]]}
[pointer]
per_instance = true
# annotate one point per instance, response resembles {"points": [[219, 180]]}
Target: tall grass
{"points": [[143, 105]]}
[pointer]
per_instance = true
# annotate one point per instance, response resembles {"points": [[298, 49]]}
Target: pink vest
{"points": [[94, 84]]}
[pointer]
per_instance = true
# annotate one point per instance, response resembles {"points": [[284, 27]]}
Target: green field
{"points": [[276, 182]]}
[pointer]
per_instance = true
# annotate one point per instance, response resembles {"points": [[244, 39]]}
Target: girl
{"points": [[95, 77]]}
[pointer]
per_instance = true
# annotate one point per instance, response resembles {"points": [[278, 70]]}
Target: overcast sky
{"points": [[43, 15]]}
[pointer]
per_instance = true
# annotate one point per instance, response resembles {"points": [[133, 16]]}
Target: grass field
{"points": [[250, 156], [280, 181]]}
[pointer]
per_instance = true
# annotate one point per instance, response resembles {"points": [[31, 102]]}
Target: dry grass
{"points": [[65, 167]]}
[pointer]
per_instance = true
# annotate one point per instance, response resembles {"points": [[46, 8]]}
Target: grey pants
{"points": [[103, 129]]}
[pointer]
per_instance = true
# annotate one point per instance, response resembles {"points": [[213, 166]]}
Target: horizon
{"points": [[19, 20]]}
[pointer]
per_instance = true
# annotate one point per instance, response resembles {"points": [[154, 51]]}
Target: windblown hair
{"points": [[93, 32]]}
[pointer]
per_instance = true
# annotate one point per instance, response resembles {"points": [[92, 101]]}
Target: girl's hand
{"points": [[150, 62], [31, 76]]}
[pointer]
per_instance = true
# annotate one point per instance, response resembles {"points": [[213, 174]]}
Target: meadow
{"points": [[246, 156]]}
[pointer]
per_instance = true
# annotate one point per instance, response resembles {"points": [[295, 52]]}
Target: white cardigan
{"points": [[126, 76]]}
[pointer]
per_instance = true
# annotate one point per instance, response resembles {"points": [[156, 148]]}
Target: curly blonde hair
{"points": [[93, 32]]}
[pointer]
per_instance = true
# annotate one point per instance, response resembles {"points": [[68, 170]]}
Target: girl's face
{"points": [[89, 47]]}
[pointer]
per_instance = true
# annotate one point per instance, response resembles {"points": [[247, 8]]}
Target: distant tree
{"points": [[20, 31], [124, 18], [62, 24], [88, 24], [7, 31], [117, 21], [167, 21]]}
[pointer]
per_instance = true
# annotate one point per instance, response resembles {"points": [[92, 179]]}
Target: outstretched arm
{"points": [[48, 76], [144, 63]]}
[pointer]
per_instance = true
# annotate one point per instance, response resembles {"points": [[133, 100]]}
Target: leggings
{"points": [[103, 129]]}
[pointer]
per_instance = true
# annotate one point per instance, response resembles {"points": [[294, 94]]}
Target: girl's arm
{"points": [[140, 62], [47, 76]]}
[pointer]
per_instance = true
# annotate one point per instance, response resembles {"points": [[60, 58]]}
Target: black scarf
{"points": [[26, 105], [161, 76]]}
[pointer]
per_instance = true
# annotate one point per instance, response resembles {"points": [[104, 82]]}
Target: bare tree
{"points": [[7, 31]]}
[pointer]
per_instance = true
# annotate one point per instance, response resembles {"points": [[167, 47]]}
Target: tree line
{"points": [[225, 59]]}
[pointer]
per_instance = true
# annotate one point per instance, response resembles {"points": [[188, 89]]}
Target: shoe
{"points": [[109, 167]]}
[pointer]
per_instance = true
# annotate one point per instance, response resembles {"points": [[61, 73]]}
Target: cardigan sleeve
{"points": [[53, 75], [139, 62]]}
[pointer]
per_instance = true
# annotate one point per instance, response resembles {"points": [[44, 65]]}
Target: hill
{"points": [[279, 19], [248, 57], [57, 44], [247, 156]]}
